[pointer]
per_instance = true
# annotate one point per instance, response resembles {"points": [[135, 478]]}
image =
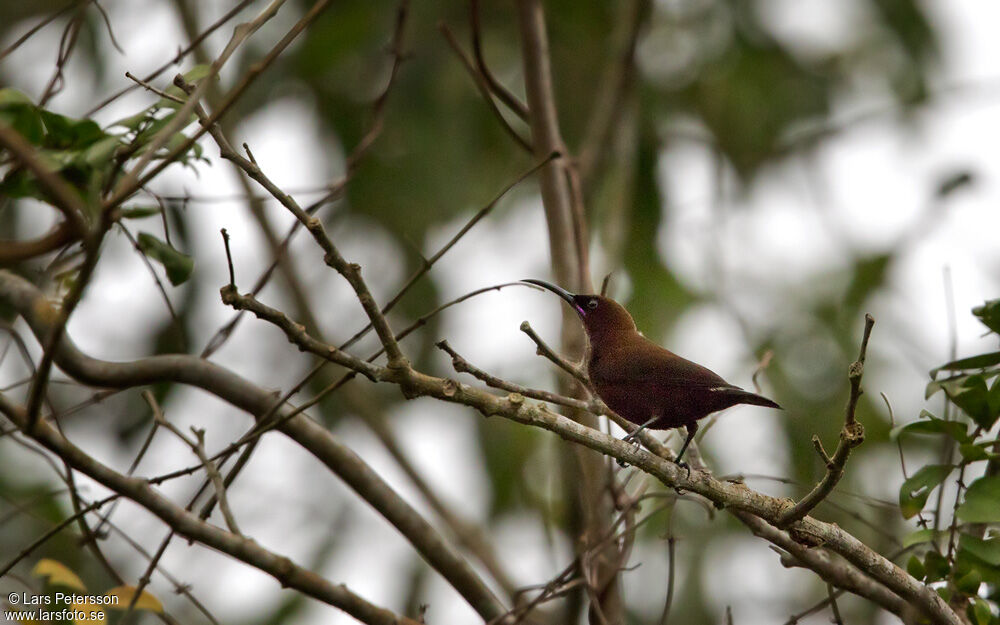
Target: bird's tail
{"points": [[746, 397]]}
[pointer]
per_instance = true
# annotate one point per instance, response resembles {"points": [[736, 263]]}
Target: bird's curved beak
{"points": [[563, 293]]}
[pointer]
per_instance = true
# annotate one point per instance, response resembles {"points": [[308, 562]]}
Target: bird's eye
{"points": [[592, 304]]}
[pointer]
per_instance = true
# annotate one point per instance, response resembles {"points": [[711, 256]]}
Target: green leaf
{"points": [[177, 265], [982, 501], [916, 568], [989, 314], [973, 362], [974, 399], [132, 122], [969, 583], [20, 113], [197, 72], [192, 76], [914, 491], [954, 383], [982, 612], [920, 536], [12, 97], [986, 550], [155, 126], [68, 133], [937, 566], [974, 453], [101, 152], [139, 212], [929, 424]]}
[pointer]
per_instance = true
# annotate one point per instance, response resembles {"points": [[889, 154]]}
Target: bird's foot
{"points": [[634, 440], [684, 466]]}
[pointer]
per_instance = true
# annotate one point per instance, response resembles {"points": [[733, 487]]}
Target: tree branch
{"points": [[189, 525], [852, 435], [13, 252], [228, 386]]}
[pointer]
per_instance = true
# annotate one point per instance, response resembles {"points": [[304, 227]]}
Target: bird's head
{"points": [[599, 314]]}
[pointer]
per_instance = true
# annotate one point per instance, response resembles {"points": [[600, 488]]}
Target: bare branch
{"points": [[180, 55], [123, 190], [226, 385], [198, 447], [483, 86], [188, 525], [332, 257], [13, 252], [498, 89], [130, 181], [852, 435], [543, 349], [463, 366]]}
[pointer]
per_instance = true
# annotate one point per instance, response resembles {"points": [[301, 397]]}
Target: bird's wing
{"points": [[650, 363]]}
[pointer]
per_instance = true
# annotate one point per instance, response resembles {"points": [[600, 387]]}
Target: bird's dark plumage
{"points": [[643, 382]]}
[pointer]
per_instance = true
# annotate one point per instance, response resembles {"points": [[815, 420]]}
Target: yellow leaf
{"points": [[58, 574], [125, 593], [90, 614]]}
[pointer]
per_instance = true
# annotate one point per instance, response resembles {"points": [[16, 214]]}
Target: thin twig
{"points": [[44, 538], [229, 258], [195, 42], [37, 27], [852, 435], [198, 447], [762, 365], [671, 577], [148, 87], [543, 349], [428, 263], [834, 610], [484, 87], [332, 256], [330, 192], [501, 92], [36, 394], [460, 364], [130, 184]]}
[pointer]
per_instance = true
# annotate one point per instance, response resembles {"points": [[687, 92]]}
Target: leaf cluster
{"points": [[964, 560]]}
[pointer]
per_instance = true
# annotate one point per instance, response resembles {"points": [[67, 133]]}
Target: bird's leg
{"points": [[691, 429], [633, 438]]}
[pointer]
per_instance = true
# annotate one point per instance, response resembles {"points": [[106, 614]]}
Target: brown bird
{"points": [[644, 383]]}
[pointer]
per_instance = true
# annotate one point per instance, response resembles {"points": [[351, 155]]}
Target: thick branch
{"points": [[722, 494], [837, 572], [567, 245]]}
